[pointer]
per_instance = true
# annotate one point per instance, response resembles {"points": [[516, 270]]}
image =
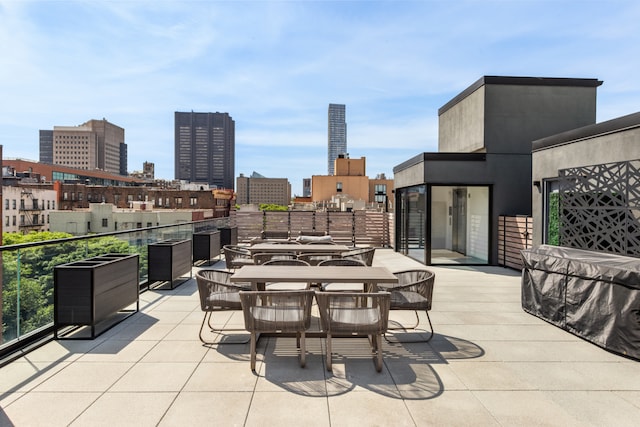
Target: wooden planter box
{"points": [[95, 292], [169, 262], [206, 246]]}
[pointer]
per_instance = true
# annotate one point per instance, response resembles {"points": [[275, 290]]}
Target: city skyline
{"points": [[275, 66]]}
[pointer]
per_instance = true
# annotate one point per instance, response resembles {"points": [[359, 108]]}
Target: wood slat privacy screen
{"points": [[514, 234]]}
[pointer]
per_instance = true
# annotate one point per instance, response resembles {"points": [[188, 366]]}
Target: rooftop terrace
{"points": [[489, 363]]}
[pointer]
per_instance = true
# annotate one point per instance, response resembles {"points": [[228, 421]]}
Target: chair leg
{"points": [[378, 339], [303, 352], [328, 352], [204, 319], [253, 351], [431, 332], [219, 332]]}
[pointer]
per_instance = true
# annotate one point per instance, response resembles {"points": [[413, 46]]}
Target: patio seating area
{"points": [[488, 363]]}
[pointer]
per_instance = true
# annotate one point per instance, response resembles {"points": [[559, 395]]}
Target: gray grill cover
{"points": [[590, 294]]}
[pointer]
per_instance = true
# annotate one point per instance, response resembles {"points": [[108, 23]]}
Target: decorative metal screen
{"points": [[600, 207]]}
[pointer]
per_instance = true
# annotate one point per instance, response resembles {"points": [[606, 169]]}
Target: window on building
{"points": [[53, 204], [138, 225], [149, 225], [178, 202], [159, 201], [6, 204], [88, 225], [339, 187], [13, 204], [193, 201], [80, 196], [21, 204], [380, 195], [129, 197], [6, 222], [21, 219], [65, 196], [105, 222], [36, 219], [13, 220], [35, 204]]}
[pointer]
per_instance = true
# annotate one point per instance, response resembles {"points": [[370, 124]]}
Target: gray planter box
{"points": [[95, 292], [228, 236], [206, 246], [169, 262]]}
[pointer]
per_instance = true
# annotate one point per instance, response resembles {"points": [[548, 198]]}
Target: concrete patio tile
{"points": [[85, 377], [232, 352], [360, 375], [222, 377], [172, 304], [46, 409], [526, 408], [118, 351], [63, 350], [288, 409], [487, 332], [545, 351], [579, 375], [460, 305], [140, 331], [451, 408], [495, 318], [632, 397], [368, 409], [108, 410], [208, 409], [490, 376], [171, 317], [598, 408], [185, 332], [155, 377], [172, 351], [277, 376], [22, 376]]}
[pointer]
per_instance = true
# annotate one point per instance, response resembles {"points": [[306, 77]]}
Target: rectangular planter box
{"points": [[169, 261], [228, 236], [94, 290], [206, 246]]}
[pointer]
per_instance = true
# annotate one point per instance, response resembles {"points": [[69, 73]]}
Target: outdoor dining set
{"points": [[279, 286]]}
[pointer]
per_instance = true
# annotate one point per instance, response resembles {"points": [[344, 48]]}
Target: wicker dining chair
{"points": [[315, 258], [354, 313], [237, 256], [342, 287], [217, 293], [284, 311], [414, 291], [286, 286], [363, 254], [262, 257]]}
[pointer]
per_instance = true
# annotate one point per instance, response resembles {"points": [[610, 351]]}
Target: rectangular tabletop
{"points": [[294, 247], [313, 274]]}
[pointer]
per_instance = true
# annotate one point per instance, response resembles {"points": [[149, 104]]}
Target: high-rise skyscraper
{"points": [[337, 134], [96, 144], [205, 148]]}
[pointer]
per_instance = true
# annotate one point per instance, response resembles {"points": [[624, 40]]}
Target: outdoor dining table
{"points": [[258, 275], [294, 247]]}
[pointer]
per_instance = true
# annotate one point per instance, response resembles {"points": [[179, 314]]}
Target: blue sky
{"points": [[275, 66]]}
